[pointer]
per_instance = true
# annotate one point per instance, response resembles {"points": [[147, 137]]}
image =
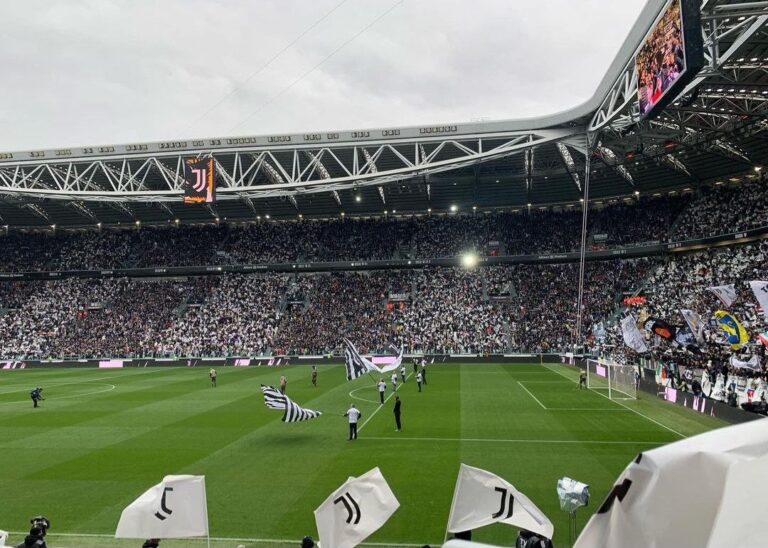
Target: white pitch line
{"points": [[109, 377], [625, 406], [352, 394], [607, 409], [57, 398], [531, 395], [221, 539], [483, 440], [382, 405]]}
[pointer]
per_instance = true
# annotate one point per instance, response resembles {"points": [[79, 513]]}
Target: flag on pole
{"points": [[726, 293], [694, 323], [274, 399], [355, 510], [735, 334], [356, 364], [482, 498], [760, 289], [632, 336], [174, 508], [653, 503]]}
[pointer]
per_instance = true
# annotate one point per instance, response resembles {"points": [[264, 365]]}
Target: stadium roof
{"points": [[715, 130]]}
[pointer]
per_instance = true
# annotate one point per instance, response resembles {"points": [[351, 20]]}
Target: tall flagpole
{"points": [[585, 214]]}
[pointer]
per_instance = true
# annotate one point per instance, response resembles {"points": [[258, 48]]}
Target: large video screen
{"points": [[670, 56], [199, 181]]}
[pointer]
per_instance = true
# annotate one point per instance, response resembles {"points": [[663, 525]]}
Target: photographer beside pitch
{"points": [[36, 536], [37, 395]]}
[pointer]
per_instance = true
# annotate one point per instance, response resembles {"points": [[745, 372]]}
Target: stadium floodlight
{"points": [[758, 168], [469, 260], [266, 217], [637, 193], [358, 198], [454, 208]]}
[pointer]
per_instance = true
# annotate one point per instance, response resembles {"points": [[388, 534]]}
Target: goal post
{"points": [[617, 380]]}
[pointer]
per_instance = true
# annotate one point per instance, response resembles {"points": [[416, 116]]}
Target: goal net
{"points": [[617, 380]]}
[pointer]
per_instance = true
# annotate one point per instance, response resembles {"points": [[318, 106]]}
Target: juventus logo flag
{"points": [[482, 498], [199, 185], [174, 508], [355, 510]]}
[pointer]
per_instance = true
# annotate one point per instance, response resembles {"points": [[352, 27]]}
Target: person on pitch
{"points": [[583, 379], [402, 373], [396, 411], [283, 384], [37, 395], [419, 380], [382, 386], [212, 375], [415, 365], [353, 414], [314, 376], [393, 379], [424, 372]]}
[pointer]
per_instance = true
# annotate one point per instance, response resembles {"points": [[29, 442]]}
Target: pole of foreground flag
{"points": [[453, 503]]}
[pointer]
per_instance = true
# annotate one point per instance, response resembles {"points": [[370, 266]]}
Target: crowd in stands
{"points": [[427, 236], [527, 308], [436, 310], [725, 210], [682, 282]]}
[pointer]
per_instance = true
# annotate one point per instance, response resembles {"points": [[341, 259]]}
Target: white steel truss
{"points": [[266, 172]]}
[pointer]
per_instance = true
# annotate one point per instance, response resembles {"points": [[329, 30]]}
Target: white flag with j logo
{"points": [[482, 498], [174, 508]]}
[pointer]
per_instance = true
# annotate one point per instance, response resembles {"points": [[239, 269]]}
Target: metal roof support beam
{"points": [[570, 165]]}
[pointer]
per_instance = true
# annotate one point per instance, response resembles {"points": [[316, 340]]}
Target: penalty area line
{"points": [[624, 406], [531, 395], [483, 440]]}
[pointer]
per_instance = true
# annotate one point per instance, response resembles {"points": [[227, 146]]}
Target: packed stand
{"points": [[725, 210], [348, 239]]}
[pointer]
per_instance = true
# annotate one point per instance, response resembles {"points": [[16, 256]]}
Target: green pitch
{"points": [[102, 437]]}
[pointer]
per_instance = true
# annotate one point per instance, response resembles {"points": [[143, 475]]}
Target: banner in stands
{"points": [[735, 334], [694, 324], [199, 181], [661, 328], [760, 289], [752, 363], [726, 293], [632, 336]]}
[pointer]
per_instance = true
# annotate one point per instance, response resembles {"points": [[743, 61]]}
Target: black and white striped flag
{"points": [[357, 366], [293, 412], [273, 398], [296, 413]]}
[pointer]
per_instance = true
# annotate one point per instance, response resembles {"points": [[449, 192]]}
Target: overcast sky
{"points": [[78, 72]]}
